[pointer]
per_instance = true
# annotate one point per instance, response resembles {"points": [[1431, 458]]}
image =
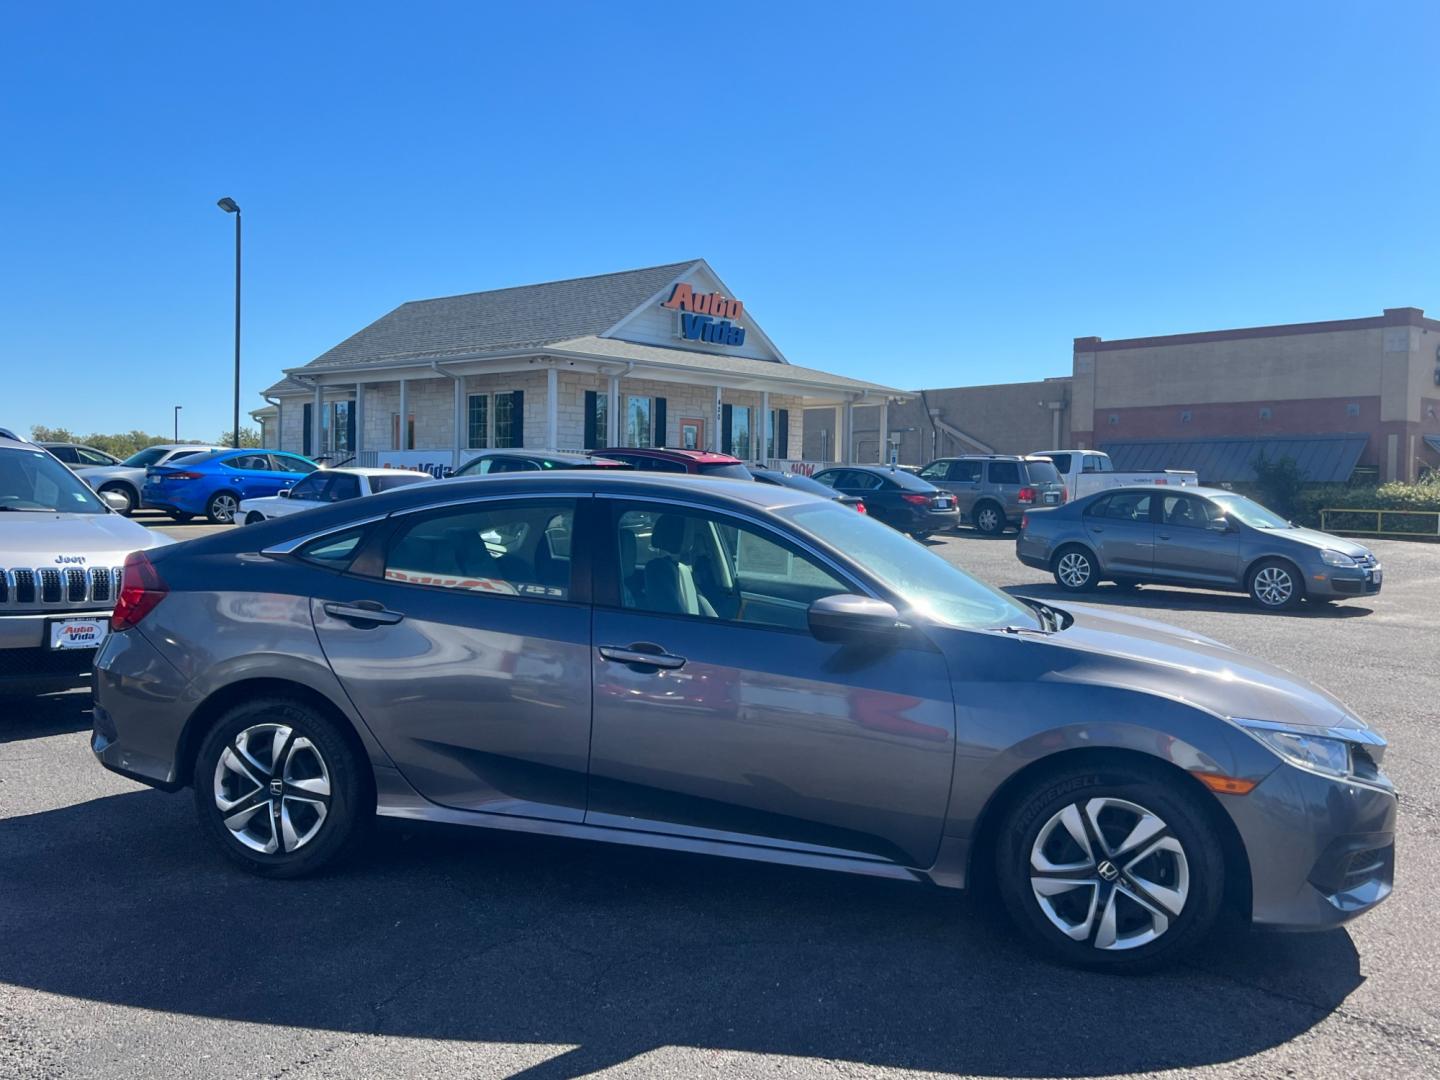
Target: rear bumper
{"points": [[139, 712], [1321, 851], [1032, 551]]}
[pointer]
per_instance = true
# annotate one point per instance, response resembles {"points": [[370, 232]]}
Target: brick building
{"points": [[662, 356]]}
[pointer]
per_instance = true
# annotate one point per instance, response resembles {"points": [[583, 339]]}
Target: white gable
{"points": [[653, 323]]}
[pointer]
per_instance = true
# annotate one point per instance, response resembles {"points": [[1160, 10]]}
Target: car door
{"points": [[1194, 542], [309, 491], [718, 715], [963, 481], [463, 640], [1121, 533]]}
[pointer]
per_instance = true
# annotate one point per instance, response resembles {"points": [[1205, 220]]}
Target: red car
{"points": [[664, 459]]}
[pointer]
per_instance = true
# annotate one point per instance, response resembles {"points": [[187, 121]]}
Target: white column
{"points": [[885, 432], [716, 438], [359, 421], [404, 436], [317, 422], [764, 454], [461, 438], [837, 444], [849, 433], [279, 423], [612, 413], [552, 408]]}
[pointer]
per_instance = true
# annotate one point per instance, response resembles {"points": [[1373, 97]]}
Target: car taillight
{"points": [[1027, 495], [182, 476], [1064, 496], [860, 506], [141, 588], [1024, 522], [918, 500]]}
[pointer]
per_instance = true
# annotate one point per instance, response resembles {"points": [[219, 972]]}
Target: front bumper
{"points": [[25, 653], [1321, 851], [1335, 583]]}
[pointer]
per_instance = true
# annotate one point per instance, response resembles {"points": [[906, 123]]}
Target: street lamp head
{"points": [[229, 205]]}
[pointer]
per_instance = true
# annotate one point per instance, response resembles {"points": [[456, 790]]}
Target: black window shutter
{"points": [[591, 403], [350, 428], [309, 419], [659, 419], [782, 435], [517, 418], [726, 412]]}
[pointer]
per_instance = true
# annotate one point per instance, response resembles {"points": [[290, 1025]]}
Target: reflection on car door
{"points": [[1189, 545], [474, 673], [1119, 529], [745, 727]]}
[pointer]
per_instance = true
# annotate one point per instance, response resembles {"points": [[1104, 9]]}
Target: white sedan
{"points": [[326, 486]]}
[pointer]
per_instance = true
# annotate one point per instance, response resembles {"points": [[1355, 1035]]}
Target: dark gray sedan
{"points": [[1201, 537], [733, 669]]}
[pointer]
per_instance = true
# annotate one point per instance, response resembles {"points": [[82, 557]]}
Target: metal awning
{"points": [[1323, 459], [1432, 441]]}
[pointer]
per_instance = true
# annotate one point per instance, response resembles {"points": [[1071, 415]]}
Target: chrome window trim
{"points": [[289, 547]]}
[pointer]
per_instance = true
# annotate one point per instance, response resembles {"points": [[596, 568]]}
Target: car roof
{"points": [[15, 444], [359, 470], [1188, 489], [704, 457]]}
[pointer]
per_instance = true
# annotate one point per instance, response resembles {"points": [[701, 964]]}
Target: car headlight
{"points": [[1303, 748], [1336, 558]]}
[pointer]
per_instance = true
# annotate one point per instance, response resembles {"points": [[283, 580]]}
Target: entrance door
{"points": [[692, 433], [743, 727], [469, 658]]}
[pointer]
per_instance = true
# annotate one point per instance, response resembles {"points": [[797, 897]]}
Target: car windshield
{"points": [[1250, 512], [925, 581], [33, 480], [805, 483], [1042, 472], [149, 456], [733, 471]]}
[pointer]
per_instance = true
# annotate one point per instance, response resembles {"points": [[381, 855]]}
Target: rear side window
{"points": [[1041, 472], [93, 457], [286, 463], [965, 472], [508, 548], [336, 550], [727, 472], [389, 483], [67, 454], [659, 465], [342, 486], [1004, 472], [248, 463], [1062, 461], [1123, 506]]}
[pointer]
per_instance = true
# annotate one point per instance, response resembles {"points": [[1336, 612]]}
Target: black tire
{"points": [[989, 518], [1276, 585], [254, 517], [1075, 569], [222, 507], [349, 805], [1126, 584], [180, 517], [127, 492], [1199, 886], [921, 536]]}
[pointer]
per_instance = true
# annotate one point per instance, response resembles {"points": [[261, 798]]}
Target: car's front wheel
{"points": [[222, 507], [1276, 585], [1110, 868], [1075, 569], [254, 517], [125, 492], [279, 788], [989, 519]]}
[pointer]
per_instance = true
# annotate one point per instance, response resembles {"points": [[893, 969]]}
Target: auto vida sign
{"points": [[706, 317]]}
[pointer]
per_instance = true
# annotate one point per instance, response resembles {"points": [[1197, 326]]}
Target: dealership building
{"points": [[1346, 399], [662, 356]]}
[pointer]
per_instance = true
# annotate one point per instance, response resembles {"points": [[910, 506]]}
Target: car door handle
{"points": [[1096, 528], [1162, 536], [364, 611], [642, 653]]}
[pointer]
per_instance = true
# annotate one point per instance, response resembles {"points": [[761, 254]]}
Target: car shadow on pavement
{"points": [[464, 934], [1160, 598], [45, 710]]}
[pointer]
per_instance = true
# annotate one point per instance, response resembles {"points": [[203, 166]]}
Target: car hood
{"points": [[1318, 540], [1158, 658], [36, 540]]}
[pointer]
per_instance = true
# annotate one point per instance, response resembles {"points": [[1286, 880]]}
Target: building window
{"points": [[1114, 419], [600, 417], [1185, 417], [740, 431], [478, 421], [1353, 409], [396, 442], [637, 422], [340, 426], [1265, 413], [505, 420]]}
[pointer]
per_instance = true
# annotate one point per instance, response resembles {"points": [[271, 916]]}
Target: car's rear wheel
{"points": [[1110, 868], [254, 517], [180, 517], [1276, 585], [1075, 569], [222, 507], [125, 492], [280, 789], [922, 535], [989, 519]]}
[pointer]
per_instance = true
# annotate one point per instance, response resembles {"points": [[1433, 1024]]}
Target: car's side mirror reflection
{"points": [[284, 493], [1220, 525], [847, 618], [115, 501]]}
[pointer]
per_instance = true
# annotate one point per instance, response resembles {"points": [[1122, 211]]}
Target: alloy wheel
{"points": [[1273, 586], [223, 508], [272, 788], [1109, 873], [1073, 570], [988, 520]]}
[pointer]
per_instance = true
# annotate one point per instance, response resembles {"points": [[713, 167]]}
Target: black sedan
{"points": [[898, 498], [796, 482]]}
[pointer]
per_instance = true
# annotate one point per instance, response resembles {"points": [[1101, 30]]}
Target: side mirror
{"points": [[846, 618], [1220, 525], [115, 501], [284, 493]]}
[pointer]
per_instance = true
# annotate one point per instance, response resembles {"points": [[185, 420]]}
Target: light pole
{"points": [[230, 206], [177, 422]]}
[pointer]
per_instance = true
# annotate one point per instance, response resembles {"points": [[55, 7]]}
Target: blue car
{"points": [[213, 484]]}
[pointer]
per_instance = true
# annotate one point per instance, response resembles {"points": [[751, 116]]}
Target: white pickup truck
{"points": [[1088, 471]]}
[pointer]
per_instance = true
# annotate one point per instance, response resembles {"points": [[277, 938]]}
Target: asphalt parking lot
{"points": [[128, 948]]}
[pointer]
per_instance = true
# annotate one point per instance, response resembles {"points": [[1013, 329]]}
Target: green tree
{"points": [[122, 444], [1281, 482], [249, 438]]}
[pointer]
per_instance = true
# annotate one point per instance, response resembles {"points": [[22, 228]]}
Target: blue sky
{"points": [[927, 195]]}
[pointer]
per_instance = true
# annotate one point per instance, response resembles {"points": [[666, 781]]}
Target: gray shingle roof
{"points": [[520, 317], [1321, 458]]}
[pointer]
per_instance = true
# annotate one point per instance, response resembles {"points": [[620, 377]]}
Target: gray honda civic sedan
{"points": [[1203, 538], [736, 669]]}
